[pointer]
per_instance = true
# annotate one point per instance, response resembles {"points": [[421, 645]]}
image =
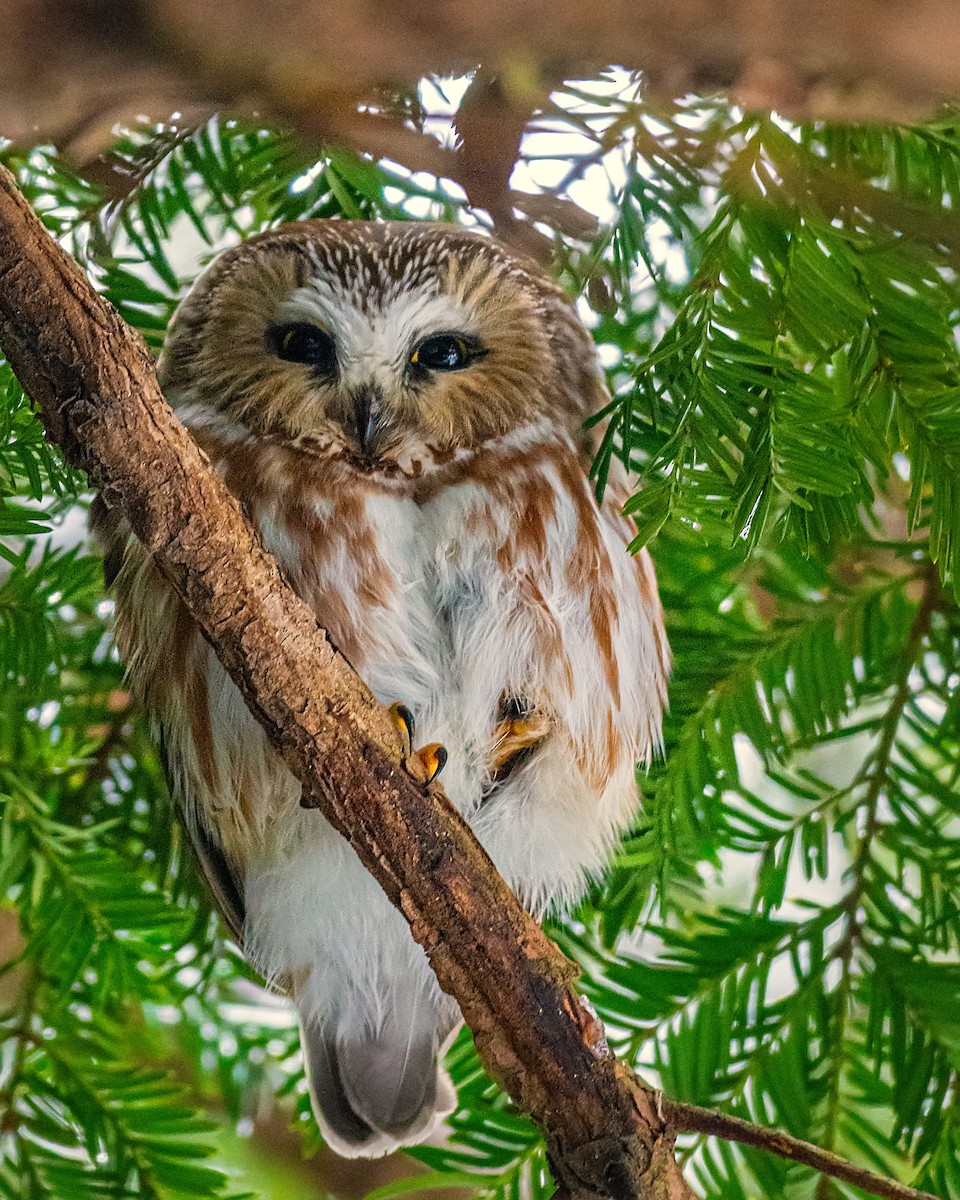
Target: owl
{"points": [[400, 408]]}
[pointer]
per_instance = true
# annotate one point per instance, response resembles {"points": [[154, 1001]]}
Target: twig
{"points": [[690, 1118]]}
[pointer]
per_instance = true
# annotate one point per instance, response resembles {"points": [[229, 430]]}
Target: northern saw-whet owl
{"points": [[400, 408]]}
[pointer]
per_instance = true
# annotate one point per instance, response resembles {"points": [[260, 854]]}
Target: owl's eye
{"points": [[302, 343], [445, 352]]}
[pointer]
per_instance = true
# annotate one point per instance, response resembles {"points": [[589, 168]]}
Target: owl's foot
{"points": [[516, 737], [432, 758], [403, 719]]}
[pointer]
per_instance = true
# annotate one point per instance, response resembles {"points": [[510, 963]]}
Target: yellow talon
{"points": [[403, 719], [434, 759], [512, 736], [514, 740]]}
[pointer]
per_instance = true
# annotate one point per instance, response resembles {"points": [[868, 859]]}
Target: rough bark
{"points": [[93, 381]]}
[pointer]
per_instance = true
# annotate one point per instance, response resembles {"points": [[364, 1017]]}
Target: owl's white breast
{"points": [[432, 626], [447, 594]]}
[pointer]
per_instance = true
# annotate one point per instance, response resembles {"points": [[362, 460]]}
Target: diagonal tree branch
{"points": [[608, 1134]]}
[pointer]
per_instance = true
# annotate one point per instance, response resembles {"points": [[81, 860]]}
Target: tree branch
{"points": [[93, 381], [689, 1118], [69, 73]]}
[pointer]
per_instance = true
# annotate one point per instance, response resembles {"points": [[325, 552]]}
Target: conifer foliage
{"points": [[779, 936]]}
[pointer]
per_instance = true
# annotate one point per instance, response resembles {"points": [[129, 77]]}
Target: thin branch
{"points": [[23, 1038], [690, 1118], [844, 60]]}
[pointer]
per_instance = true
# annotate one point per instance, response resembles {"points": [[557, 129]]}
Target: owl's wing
{"points": [[112, 532], [222, 881], [221, 878]]}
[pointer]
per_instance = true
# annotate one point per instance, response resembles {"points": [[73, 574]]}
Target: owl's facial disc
{"points": [[382, 343], [375, 375]]}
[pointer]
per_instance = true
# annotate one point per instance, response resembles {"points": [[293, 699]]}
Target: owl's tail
{"points": [[375, 1092]]}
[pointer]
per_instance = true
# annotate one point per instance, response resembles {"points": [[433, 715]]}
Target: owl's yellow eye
{"points": [[445, 352], [308, 344]]}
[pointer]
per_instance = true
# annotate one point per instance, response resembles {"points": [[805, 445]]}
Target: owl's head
{"points": [[374, 338]]}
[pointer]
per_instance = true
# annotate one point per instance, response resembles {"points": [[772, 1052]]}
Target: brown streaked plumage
{"points": [[400, 408]]}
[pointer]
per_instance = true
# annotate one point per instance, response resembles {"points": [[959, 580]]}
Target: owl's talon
{"points": [[403, 719], [434, 759], [514, 740]]}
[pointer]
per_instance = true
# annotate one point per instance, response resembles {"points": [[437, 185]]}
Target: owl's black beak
{"points": [[364, 423]]}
